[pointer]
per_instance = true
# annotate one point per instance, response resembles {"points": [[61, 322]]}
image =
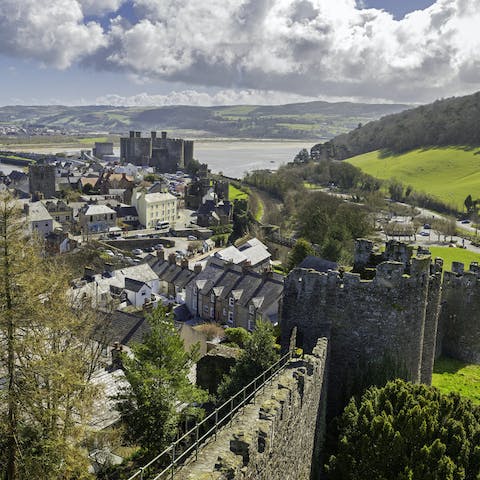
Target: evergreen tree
{"points": [[302, 249], [158, 386], [47, 360], [407, 432]]}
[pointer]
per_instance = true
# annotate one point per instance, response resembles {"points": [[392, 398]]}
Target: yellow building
{"points": [[153, 208]]}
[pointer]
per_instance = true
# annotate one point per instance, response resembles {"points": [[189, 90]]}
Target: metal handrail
{"points": [[267, 376]]}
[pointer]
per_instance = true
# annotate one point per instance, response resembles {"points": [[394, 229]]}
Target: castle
{"points": [[394, 306], [167, 155]]}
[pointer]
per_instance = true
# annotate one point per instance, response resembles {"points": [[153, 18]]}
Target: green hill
{"points": [[453, 121], [449, 174], [310, 120]]}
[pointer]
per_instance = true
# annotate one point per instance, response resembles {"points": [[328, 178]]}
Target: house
{"points": [[252, 253], [39, 219], [135, 286], [58, 242], [154, 207], [61, 213], [96, 218], [211, 213], [128, 215], [233, 295]]}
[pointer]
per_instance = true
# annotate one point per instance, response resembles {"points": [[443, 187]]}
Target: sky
{"points": [[217, 52]]}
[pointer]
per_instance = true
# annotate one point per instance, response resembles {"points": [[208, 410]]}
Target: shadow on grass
{"points": [[448, 365]]}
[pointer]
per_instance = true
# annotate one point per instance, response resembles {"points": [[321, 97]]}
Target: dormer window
{"points": [[251, 309]]}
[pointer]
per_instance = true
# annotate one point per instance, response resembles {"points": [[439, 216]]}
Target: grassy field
{"points": [[446, 173], [450, 255], [235, 193], [454, 376]]}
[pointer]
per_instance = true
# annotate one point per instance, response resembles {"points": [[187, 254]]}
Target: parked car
{"points": [[109, 253], [425, 234], [158, 246], [149, 249], [137, 251], [465, 221], [427, 226], [192, 237]]}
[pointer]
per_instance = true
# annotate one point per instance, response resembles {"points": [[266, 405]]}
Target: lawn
{"points": [[235, 193], [453, 376], [449, 174], [450, 255]]}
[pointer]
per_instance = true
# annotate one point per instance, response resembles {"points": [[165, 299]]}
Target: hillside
{"points": [[312, 120], [450, 174], [453, 121]]}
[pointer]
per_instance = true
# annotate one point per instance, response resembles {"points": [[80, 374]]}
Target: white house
{"points": [[155, 207]]}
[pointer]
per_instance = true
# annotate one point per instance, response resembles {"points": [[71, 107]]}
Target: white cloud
{"points": [[52, 32], [304, 47], [310, 47], [192, 97]]}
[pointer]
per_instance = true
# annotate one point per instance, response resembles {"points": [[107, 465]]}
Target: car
{"points": [[192, 237], [137, 251], [465, 221], [425, 234], [427, 226], [109, 253], [158, 246], [149, 249]]}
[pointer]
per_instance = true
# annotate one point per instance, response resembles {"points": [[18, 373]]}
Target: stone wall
{"points": [[459, 325], [366, 321], [275, 437]]}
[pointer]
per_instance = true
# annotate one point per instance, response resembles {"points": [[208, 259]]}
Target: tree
{"points": [[259, 354], [302, 249], [396, 191], [469, 203], [158, 385], [302, 156], [47, 360], [404, 431]]}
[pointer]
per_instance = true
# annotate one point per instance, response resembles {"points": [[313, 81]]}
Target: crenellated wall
{"points": [[275, 437], [459, 324]]}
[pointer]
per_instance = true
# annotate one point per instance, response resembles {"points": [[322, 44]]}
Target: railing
{"points": [[192, 441]]}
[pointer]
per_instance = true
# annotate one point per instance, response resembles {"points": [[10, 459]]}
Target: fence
{"points": [[192, 441]]}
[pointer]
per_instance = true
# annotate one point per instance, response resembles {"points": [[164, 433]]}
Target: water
{"points": [[235, 158], [231, 157]]}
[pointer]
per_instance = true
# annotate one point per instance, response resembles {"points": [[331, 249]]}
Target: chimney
{"points": [[184, 263], [161, 254], [153, 135], [164, 135], [172, 259], [138, 134], [197, 268], [132, 134], [117, 356]]}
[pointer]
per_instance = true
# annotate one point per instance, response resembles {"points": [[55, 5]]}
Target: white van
{"points": [[162, 225]]}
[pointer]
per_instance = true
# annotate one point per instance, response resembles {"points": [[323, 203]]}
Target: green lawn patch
{"points": [[450, 255], [449, 174], [454, 376], [235, 193]]}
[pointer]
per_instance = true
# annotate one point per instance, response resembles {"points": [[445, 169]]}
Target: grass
{"points": [[454, 376], [450, 255], [235, 193], [449, 174]]}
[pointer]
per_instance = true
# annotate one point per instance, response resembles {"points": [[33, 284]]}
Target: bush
{"points": [[238, 336]]}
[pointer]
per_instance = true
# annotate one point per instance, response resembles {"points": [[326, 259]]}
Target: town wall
{"points": [[275, 437], [459, 323]]}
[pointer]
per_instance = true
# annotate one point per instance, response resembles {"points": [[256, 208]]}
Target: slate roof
{"points": [[98, 210], [133, 285]]}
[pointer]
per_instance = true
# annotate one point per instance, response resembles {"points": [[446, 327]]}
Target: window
{"points": [[67, 217], [230, 318], [251, 309], [251, 324], [205, 308], [212, 312], [231, 301], [212, 298], [57, 219]]}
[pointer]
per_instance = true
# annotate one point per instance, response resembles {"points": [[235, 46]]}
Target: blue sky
{"points": [[152, 52]]}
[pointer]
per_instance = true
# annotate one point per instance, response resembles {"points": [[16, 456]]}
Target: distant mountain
{"points": [[310, 120], [453, 121]]}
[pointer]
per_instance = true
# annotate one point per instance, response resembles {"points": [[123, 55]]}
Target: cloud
{"points": [[303, 47], [53, 32], [193, 97], [99, 7]]}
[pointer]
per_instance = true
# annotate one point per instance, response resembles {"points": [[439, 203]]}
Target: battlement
{"points": [[259, 442]]}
